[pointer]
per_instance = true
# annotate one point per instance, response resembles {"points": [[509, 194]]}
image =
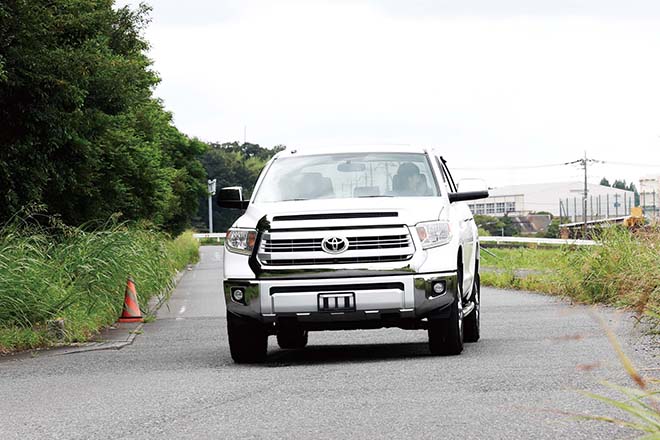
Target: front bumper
{"points": [[379, 300]]}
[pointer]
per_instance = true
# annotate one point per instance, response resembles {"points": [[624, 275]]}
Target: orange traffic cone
{"points": [[131, 311]]}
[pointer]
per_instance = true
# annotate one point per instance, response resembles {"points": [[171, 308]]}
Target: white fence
{"points": [[551, 241]]}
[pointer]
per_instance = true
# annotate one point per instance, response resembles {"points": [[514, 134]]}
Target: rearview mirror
{"points": [[232, 197], [351, 167]]}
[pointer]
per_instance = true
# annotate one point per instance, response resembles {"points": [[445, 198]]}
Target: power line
{"points": [[631, 164], [579, 161], [521, 167]]}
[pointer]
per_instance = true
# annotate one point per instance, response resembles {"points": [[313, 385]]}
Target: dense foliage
{"points": [[81, 132], [232, 164]]}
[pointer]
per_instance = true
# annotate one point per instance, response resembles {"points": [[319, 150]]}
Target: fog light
{"points": [[238, 294], [439, 287]]}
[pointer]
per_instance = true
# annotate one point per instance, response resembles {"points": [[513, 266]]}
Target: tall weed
{"points": [[623, 271], [79, 274]]}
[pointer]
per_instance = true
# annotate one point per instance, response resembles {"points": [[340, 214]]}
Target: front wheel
{"points": [[248, 340], [446, 335]]}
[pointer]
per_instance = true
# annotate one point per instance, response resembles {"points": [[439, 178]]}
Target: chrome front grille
{"points": [[379, 242], [354, 243], [305, 247], [296, 245]]}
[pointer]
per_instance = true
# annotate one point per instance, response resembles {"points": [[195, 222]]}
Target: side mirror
{"points": [[232, 197], [469, 189]]}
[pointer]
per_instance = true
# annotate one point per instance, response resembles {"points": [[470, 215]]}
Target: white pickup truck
{"points": [[357, 238]]}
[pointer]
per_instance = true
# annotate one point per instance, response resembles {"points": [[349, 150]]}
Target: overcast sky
{"points": [[494, 84]]}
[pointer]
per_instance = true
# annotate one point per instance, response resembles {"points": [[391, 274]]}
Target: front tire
{"points": [[471, 323], [248, 340], [446, 335]]}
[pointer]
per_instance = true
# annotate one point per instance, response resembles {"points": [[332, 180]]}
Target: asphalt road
{"points": [[177, 379]]}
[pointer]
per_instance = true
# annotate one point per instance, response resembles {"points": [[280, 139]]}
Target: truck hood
{"points": [[342, 212]]}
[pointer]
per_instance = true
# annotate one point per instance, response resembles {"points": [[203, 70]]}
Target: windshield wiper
{"points": [[371, 197], [293, 200]]}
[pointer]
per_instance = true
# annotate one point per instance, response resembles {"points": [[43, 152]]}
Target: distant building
{"points": [[649, 196], [559, 199]]}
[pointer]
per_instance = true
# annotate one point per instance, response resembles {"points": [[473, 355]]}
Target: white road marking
{"points": [[182, 310]]}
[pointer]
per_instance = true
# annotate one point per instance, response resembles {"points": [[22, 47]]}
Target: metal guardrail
{"points": [[532, 240]]}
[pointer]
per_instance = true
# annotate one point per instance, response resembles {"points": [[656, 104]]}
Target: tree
{"points": [[605, 182], [497, 225], [232, 164], [553, 228], [633, 188], [81, 132], [621, 184]]}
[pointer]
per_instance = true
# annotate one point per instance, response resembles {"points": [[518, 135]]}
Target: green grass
{"points": [[525, 268], [79, 275]]}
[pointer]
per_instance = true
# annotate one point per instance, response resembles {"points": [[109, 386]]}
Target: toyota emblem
{"points": [[334, 245]]}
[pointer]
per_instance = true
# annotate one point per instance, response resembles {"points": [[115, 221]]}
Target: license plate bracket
{"points": [[336, 302]]}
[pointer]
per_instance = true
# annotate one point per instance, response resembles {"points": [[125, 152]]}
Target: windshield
{"points": [[343, 176]]}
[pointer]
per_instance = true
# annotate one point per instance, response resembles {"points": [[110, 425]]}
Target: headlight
{"points": [[433, 234], [241, 241]]}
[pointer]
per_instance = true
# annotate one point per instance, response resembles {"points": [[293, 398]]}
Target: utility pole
{"points": [[211, 192], [584, 163], [584, 198]]}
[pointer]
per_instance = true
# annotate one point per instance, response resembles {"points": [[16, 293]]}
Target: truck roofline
{"points": [[339, 149]]}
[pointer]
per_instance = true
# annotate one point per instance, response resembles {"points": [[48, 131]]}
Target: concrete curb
{"points": [[111, 338]]}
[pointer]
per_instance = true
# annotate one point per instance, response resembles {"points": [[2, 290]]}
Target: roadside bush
{"points": [[623, 271], [79, 274]]}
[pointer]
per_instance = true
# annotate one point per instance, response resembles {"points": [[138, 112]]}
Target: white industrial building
{"points": [[563, 199], [649, 196]]}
